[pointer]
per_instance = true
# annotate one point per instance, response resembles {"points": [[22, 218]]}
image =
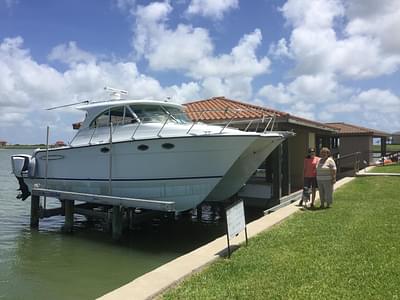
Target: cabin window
{"points": [[159, 114], [178, 115], [117, 116]]}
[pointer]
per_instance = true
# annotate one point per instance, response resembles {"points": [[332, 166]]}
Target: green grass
{"points": [[387, 169], [350, 251], [389, 148]]}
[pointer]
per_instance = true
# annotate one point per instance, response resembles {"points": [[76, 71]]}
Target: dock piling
{"points": [[69, 216], [116, 222], [35, 211]]}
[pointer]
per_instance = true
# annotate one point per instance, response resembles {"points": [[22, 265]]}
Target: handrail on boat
{"points": [[195, 122], [248, 125], [91, 137], [271, 119], [136, 129], [269, 126], [230, 121], [162, 127]]}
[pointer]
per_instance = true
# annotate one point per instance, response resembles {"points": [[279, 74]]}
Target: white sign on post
{"points": [[235, 219]]}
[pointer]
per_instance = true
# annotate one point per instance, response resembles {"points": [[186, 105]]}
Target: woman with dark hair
{"points": [[326, 177], [310, 174]]}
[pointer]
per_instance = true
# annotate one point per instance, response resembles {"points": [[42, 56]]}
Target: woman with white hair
{"points": [[326, 177]]}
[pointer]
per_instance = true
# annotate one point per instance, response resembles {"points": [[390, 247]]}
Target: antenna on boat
{"points": [[115, 93], [66, 105]]}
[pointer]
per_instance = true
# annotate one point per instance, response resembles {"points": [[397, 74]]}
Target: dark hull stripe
{"points": [[128, 179]]}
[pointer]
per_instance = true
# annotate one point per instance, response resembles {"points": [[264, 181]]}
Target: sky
{"points": [[325, 60]]}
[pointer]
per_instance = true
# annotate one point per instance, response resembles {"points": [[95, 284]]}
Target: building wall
{"points": [[311, 140], [396, 139], [353, 144], [298, 146]]}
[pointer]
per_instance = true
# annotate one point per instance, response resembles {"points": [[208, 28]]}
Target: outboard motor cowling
{"points": [[21, 167]]}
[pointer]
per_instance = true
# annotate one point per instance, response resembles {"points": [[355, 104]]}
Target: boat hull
{"points": [[185, 173], [244, 167]]}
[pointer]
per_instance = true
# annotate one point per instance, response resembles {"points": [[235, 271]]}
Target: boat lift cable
{"points": [[67, 105]]}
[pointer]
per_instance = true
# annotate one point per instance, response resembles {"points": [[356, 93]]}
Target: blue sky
{"points": [[326, 60]]}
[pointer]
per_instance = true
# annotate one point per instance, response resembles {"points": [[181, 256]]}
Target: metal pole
{"points": [[162, 127], [227, 238], [110, 162], [47, 164], [194, 123], [245, 232]]}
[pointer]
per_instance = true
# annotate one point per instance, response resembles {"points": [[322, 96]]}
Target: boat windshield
{"points": [[159, 114], [117, 115]]}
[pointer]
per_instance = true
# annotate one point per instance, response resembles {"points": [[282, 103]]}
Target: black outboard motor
{"points": [[21, 165]]}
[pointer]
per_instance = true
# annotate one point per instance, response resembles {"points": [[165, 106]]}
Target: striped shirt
{"points": [[324, 168]]}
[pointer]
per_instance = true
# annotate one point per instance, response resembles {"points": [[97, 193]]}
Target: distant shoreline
{"points": [[23, 146]]}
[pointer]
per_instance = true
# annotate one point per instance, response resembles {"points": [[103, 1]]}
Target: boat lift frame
{"points": [[68, 207]]}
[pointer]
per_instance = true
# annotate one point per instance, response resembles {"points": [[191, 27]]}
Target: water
{"points": [[47, 264]]}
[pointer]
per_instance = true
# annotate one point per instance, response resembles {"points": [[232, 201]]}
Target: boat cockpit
{"points": [[129, 119]]}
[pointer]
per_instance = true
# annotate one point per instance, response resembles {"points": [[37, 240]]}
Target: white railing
{"points": [[268, 120]]}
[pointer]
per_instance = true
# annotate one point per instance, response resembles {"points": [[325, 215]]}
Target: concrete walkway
{"points": [[365, 172], [152, 284]]}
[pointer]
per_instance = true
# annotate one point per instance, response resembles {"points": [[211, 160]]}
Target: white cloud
{"points": [[321, 98], [23, 82], [367, 47], [280, 49], [242, 61], [167, 49], [185, 92], [312, 13], [276, 94], [11, 3], [373, 108], [332, 42], [190, 50], [382, 101], [70, 54], [378, 19], [211, 8], [125, 5], [306, 95], [306, 88], [27, 88]]}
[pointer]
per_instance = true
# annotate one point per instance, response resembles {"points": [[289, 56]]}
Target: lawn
{"points": [[387, 169], [389, 148], [350, 251]]}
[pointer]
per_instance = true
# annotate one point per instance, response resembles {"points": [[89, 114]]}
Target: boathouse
{"points": [[356, 140], [396, 138], [282, 172]]}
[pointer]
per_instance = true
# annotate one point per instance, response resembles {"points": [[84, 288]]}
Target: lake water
{"points": [[47, 264]]}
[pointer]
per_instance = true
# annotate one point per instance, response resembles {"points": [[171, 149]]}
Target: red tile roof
{"points": [[218, 109], [350, 129], [221, 109]]}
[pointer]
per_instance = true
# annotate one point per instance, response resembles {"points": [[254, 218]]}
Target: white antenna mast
{"points": [[115, 94]]}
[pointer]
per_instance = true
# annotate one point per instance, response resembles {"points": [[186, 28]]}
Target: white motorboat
{"points": [[148, 150]]}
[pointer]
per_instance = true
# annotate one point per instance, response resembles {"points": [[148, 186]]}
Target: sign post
{"points": [[235, 222]]}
